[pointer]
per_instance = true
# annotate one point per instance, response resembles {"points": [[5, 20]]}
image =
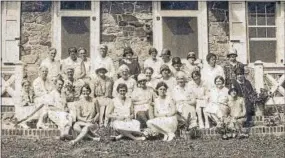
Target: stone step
{"points": [[254, 131], [206, 133]]}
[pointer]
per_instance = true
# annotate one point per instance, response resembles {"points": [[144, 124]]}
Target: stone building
{"points": [[255, 29]]}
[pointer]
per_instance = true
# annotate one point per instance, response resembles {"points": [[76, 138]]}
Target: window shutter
{"points": [[238, 36], [10, 31]]}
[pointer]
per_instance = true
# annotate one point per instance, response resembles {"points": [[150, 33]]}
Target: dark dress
{"points": [[246, 91], [134, 66], [230, 72]]}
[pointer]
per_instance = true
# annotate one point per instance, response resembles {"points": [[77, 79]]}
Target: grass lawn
{"points": [[252, 147]]}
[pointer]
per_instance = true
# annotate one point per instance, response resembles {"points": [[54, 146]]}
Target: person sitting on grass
{"points": [[57, 111], [122, 111], [165, 121], [142, 98], [237, 112], [87, 114], [102, 91]]}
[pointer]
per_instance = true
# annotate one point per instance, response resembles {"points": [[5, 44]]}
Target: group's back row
{"points": [[85, 69]]}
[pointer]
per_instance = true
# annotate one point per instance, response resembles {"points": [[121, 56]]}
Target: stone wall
{"points": [[218, 28], [126, 24], [35, 34]]}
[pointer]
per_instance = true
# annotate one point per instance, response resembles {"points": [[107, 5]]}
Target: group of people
{"points": [[164, 95]]}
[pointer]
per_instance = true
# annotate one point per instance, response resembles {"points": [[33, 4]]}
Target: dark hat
{"points": [[128, 50], [164, 67], [191, 55], [232, 51], [176, 60]]}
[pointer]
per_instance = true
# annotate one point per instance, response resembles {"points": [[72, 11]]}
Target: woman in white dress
{"points": [[165, 121], [217, 101], [123, 113]]}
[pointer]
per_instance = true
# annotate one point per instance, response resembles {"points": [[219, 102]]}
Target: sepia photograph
{"points": [[150, 78]]}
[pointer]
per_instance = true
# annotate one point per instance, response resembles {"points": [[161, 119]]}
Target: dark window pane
{"points": [[271, 32], [75, 32], [252, 32], [261, 32], [180, 35], [75, 5], [270, 19], [179, 5], [270, 7], [261, 19], [252, 19], [262, 50]]}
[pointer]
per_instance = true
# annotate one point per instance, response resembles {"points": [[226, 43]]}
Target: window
{"points": [[262, 31], [75, 5], [179, 5]]}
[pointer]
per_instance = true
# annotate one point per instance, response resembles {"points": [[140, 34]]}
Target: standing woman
{"points": [[165, 121], [132, 64], [122, 111], [217, 101], [211, 70], [87, 114]]}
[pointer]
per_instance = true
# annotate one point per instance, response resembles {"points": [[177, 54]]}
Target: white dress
{"points": [[124, 109], [142, 98], [163, 106], [218, 99]]}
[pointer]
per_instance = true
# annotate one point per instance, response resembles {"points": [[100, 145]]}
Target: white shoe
{"points": [[165, 138], [170, 137]]}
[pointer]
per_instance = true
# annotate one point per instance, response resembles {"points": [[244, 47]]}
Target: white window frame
{"points": [[200, 14], [280, 43], [94, 14]]}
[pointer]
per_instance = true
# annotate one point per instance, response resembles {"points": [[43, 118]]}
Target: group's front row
{"points": [[135, 113]]}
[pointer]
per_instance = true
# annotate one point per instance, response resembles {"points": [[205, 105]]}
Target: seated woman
{"points": [[132, 64], [165, 121], [124, 72], [150, 81], [185, 101], [87, 114], [142, 98], [26, 105], [57, 111], [217, 101], [237, 111], [122, 111], [200, 91], [102, 89]]}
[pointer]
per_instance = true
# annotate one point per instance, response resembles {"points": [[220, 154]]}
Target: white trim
{"points": [[94, 15], [200, 14]]}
